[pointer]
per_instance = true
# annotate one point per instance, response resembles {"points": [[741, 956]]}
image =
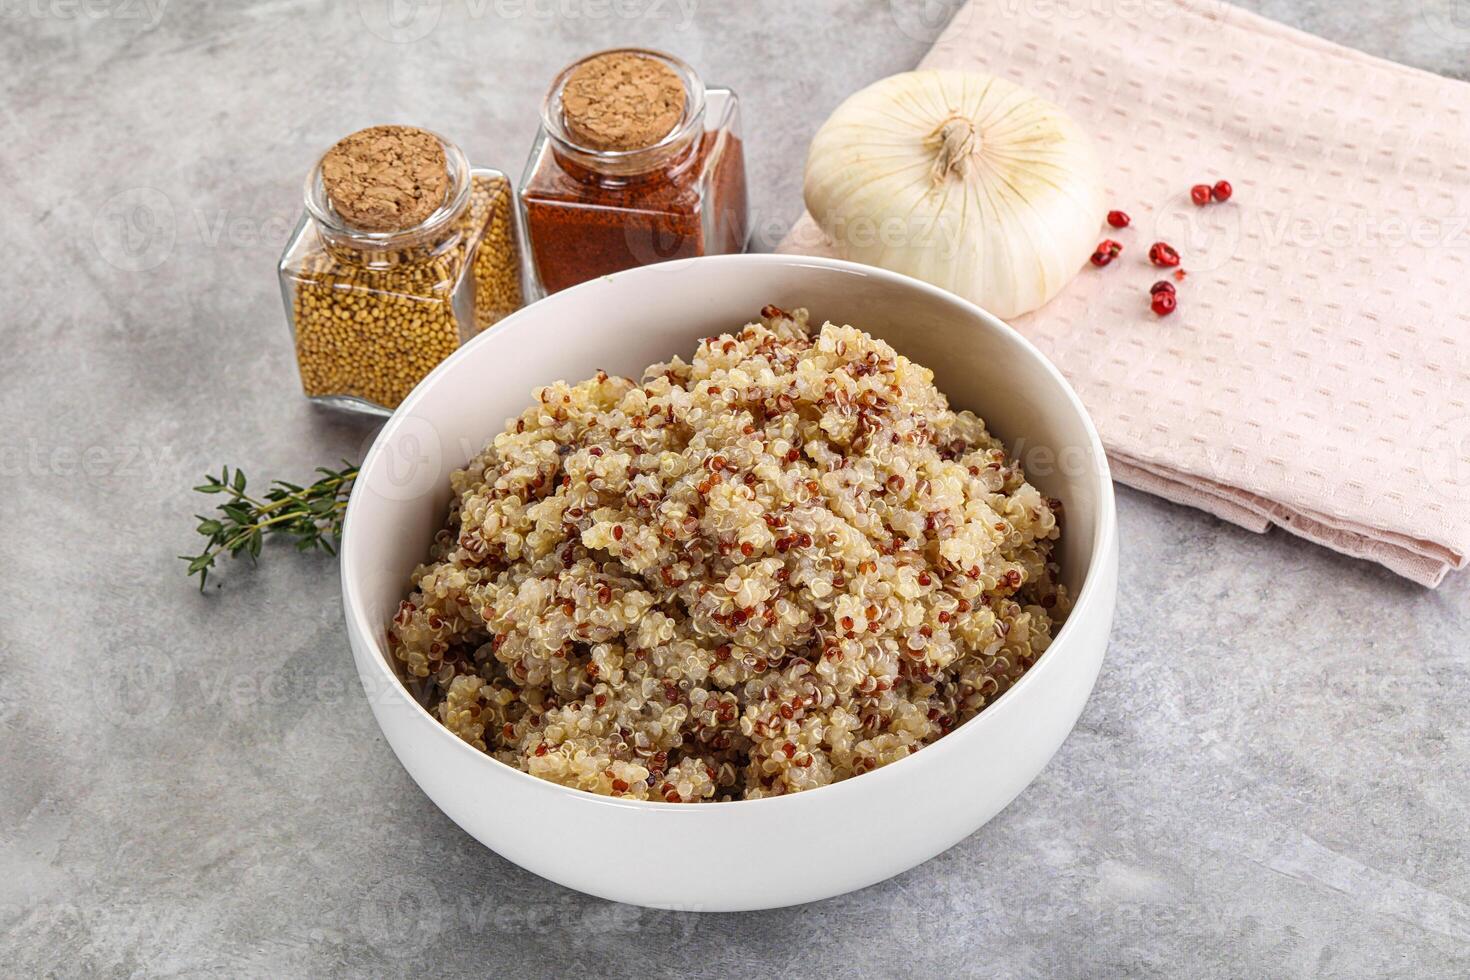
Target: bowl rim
{"points": [[1089, 595]]}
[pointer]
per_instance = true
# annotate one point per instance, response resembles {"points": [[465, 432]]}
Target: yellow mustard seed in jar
{"points": [[497, 265], [373, 311]]}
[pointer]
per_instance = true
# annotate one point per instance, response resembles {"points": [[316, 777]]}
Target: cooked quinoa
{"points": [[782, 564]]}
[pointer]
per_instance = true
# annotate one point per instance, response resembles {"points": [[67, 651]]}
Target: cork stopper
{"points": [[622, 101], [386, 178]]}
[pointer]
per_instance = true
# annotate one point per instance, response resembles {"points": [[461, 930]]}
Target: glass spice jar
{"points": [[374, 310], [636, 162]]}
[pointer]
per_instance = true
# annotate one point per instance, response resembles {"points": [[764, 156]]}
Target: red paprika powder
{"points": [[637, 162]]}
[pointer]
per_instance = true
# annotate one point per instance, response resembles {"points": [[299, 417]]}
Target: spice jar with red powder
{"points": [[637, 162]]}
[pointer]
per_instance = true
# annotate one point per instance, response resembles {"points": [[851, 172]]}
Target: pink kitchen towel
{"points": [[1317, 373]]}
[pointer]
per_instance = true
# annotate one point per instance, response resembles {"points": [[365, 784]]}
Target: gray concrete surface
{"points": [[1273, 777]]}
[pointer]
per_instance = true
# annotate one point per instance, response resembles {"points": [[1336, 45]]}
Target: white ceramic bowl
{"points": [[759, 853]]}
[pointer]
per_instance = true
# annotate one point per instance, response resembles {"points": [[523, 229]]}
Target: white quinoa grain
{"points": [[782, 564]]}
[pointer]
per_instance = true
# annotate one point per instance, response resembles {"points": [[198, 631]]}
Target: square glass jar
{"points": [[590, 212], [372, 313]]}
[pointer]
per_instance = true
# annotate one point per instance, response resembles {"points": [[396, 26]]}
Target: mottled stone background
{"points": [[1272, 778]]}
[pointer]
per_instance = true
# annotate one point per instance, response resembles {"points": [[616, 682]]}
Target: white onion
{"points": [[961, 179]]}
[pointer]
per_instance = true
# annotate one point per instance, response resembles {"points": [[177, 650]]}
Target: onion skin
{"points": [[962, 179]]}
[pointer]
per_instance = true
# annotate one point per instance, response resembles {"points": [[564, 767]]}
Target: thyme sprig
{"points": [[310, 515]]}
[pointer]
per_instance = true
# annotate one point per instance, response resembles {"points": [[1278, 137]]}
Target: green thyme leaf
{"points": [[311, 516]]}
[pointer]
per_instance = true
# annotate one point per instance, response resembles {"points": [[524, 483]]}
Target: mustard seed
{"points": [[374, 312]]}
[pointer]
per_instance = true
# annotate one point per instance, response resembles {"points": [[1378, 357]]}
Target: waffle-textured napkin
{"points": [[1316, 375]]}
